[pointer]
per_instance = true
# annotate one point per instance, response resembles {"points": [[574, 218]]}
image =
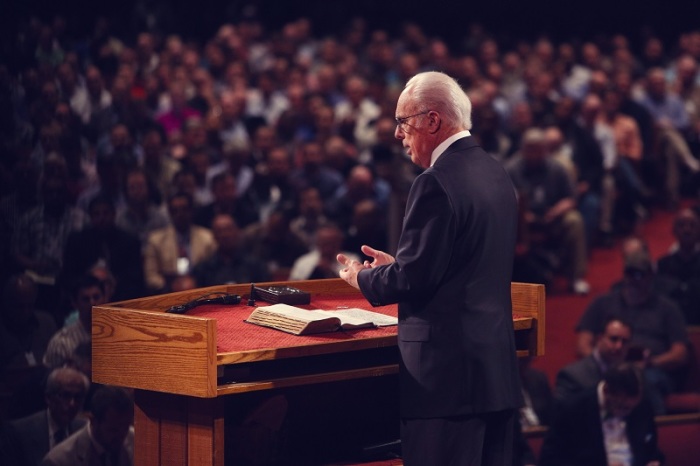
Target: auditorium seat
{"points": [[688, 397]]}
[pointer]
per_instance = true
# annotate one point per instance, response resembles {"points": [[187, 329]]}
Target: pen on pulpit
{"points": [[251, 298]]}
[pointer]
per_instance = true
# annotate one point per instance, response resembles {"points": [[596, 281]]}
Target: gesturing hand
{"points": [[351, 269], [380, 257]]}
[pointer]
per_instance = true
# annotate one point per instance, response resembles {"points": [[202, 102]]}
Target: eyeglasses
{"points": [[616, 339], [401, 121], [67, 397]]}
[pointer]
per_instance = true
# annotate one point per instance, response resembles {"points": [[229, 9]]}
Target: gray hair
{"points": [[433, 90], [60, 375]]}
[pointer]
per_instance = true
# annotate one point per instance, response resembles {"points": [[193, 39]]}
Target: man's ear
{"points": [[434, 122]]}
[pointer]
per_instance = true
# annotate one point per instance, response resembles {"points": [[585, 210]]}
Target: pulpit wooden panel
{"points": [[172, 362]]}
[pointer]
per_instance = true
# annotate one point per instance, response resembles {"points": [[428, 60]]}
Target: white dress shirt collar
{"points": [[445, 144]]}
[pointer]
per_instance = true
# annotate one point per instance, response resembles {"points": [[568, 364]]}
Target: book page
{"points": [[292, 319], [357, 316]]}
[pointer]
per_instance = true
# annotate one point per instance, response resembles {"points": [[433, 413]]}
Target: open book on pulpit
{"points": [[300, 321]]}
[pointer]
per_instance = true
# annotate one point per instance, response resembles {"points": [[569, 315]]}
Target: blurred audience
{"points": [[610, 350], [30, 438], [659, 332], [107, 439], [265, 136], [321, 261], [230, 263], [87, 291], [175, 249], [679, 271], [609, 423]]}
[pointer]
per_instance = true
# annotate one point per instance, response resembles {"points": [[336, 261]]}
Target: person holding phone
{"points": [[612, 347], [657, 323]]}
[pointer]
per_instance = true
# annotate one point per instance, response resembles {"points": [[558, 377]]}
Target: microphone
{"points": [[224, 299]]}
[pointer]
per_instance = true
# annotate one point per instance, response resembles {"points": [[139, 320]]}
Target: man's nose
{"points": [[398, 134]]}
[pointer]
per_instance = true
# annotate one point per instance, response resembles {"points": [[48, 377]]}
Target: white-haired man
{"points": [[451, 276]]}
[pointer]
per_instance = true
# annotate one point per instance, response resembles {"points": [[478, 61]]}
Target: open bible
{"points": [[299, 321]]}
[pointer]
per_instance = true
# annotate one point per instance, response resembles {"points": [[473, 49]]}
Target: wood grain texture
{"points": [[205, 431], [529, 300], [147, 415], [172, 362], [154, 351]]}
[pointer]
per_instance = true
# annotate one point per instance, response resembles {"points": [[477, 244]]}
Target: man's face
{"points": [[137, 188], [225, 233], [614, 342], [102, 216], [620, 404], [413, 132], [111, 431], [686, 228], [180, 213], [65, 404], [329, 242], [85, 299], [225, 190]]}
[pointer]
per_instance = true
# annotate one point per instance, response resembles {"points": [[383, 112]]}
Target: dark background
{"points": [[449, 19]]}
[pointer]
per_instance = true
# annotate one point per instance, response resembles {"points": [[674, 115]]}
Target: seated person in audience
{"points": [[175, 249], [611, 423], [226, 201], [670, 123], [159, 167], [108, 439], [270, 183], [610, 350], [104, 243], [550, 205], [314, 172], [360, 185], [109, 284], [310, 218], [275, 243], [110, 171], [230, 263], [31, 438], [140, 215], [87, 291], [658, 327], [24, 330], [321, 262], [367, 226], [41, 233], [679, 271]]}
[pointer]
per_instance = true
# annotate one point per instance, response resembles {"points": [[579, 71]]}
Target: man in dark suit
{"points": [[30, 438], [104, 243], [459, 382], [610, 349], [108, 440], [608, 424]]}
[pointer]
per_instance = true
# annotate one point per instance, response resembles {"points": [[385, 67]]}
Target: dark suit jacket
{"points": [[30, 437], [123, 250], [576, 377], [575, 437], [452, 280], [78, 450]]}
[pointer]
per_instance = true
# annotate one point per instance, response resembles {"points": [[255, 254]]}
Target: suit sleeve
{"points": [[424, 250], [565, 385]]}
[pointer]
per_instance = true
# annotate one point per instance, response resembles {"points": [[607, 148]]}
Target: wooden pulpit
{"points": [[188, 371]]}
